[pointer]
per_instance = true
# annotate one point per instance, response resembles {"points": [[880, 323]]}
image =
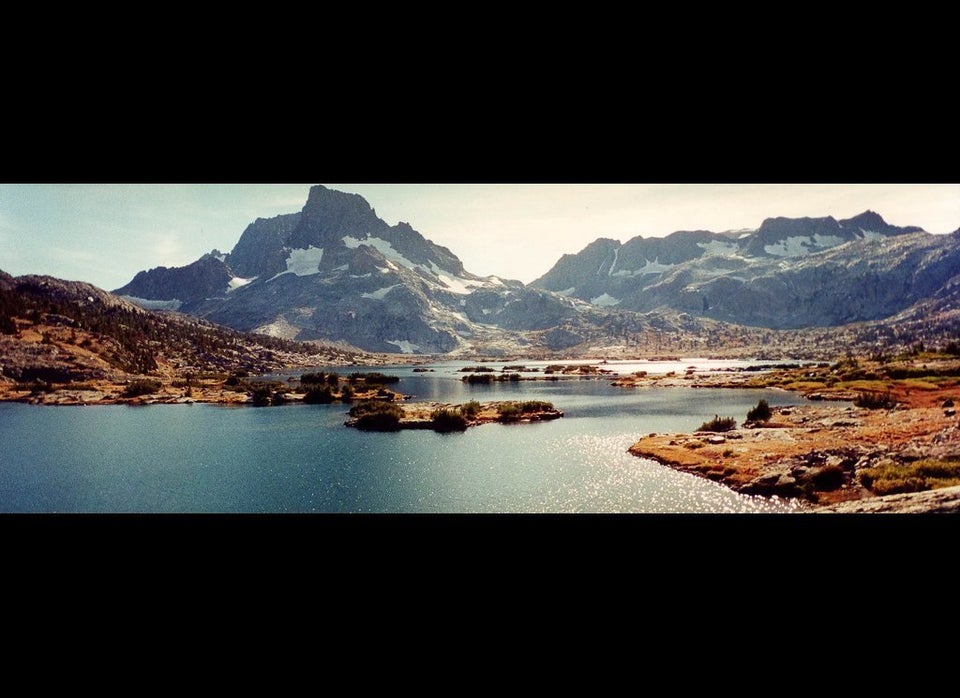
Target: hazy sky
{"points": [[104, 234]]}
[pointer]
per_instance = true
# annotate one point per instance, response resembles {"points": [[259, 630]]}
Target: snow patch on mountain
{"points": [[457, 285], [654, 267], [148, 304], [718, 248], [454, 284], [569, 291], [604, 300], [380, 293], [278, 328], [405, 346], [801, 246], [237, 282], [383, 247], [305, 262]]}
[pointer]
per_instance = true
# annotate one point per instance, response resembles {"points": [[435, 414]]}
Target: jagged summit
{"points": [[337, 271]]}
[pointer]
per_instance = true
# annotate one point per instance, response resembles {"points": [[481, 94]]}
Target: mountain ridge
{"points": [[335, 271]]}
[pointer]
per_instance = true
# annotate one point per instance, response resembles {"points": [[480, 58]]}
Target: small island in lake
{"points": [[377, 415]]}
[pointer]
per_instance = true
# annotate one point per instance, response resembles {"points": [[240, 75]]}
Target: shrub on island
{"points": [[760, 413], [373, 378], [142, 386], [262, 395], [377, 415], [320, 378], [719, 424], [447, 419], [319, 396], [514, 411], [479, 378]]}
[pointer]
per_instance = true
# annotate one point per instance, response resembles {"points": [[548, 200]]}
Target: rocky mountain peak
{"points": [[208, 276], [872, 222], [773, 229], [329, 215]]}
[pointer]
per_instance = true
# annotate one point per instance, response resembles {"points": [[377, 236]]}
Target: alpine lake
{"points": [[298, 458]]}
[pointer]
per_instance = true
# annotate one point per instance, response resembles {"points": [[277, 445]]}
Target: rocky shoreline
{"points": [[829, 456]]}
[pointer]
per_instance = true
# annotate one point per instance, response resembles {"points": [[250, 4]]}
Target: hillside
{"points": [[58, 332]]}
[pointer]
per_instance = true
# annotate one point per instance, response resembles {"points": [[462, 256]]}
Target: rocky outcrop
{"points": [[942, 501], [208, 276]]}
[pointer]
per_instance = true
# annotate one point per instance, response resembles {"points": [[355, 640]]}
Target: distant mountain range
{"points": [[789, 273], [336, 271]]}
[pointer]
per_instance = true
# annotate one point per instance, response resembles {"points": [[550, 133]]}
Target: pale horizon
{"points": [[104, 233]]}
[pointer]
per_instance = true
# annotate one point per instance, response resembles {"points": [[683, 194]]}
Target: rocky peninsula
{"points": [[872, 430]]}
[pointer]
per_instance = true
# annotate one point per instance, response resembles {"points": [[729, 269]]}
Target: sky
{"points": [[105, 233]]}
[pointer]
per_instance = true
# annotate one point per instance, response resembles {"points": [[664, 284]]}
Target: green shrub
{"points": [[262, 395], [513, 411], [481, 378], [313, 378], [874, 401], [531, 406], [142, 386], [470, 409], [719, 424], [377, 415], [319, 396], [760, 413], [926, 474], [446, 419], [373, 378], [508, 412], [933, 469], [828, 478]]}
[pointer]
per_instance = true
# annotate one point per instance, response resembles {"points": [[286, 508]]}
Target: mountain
{"points": [[336, 271], [788, 273]]}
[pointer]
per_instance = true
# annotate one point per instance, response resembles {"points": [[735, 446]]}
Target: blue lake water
{"points": [[300, 458]]}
